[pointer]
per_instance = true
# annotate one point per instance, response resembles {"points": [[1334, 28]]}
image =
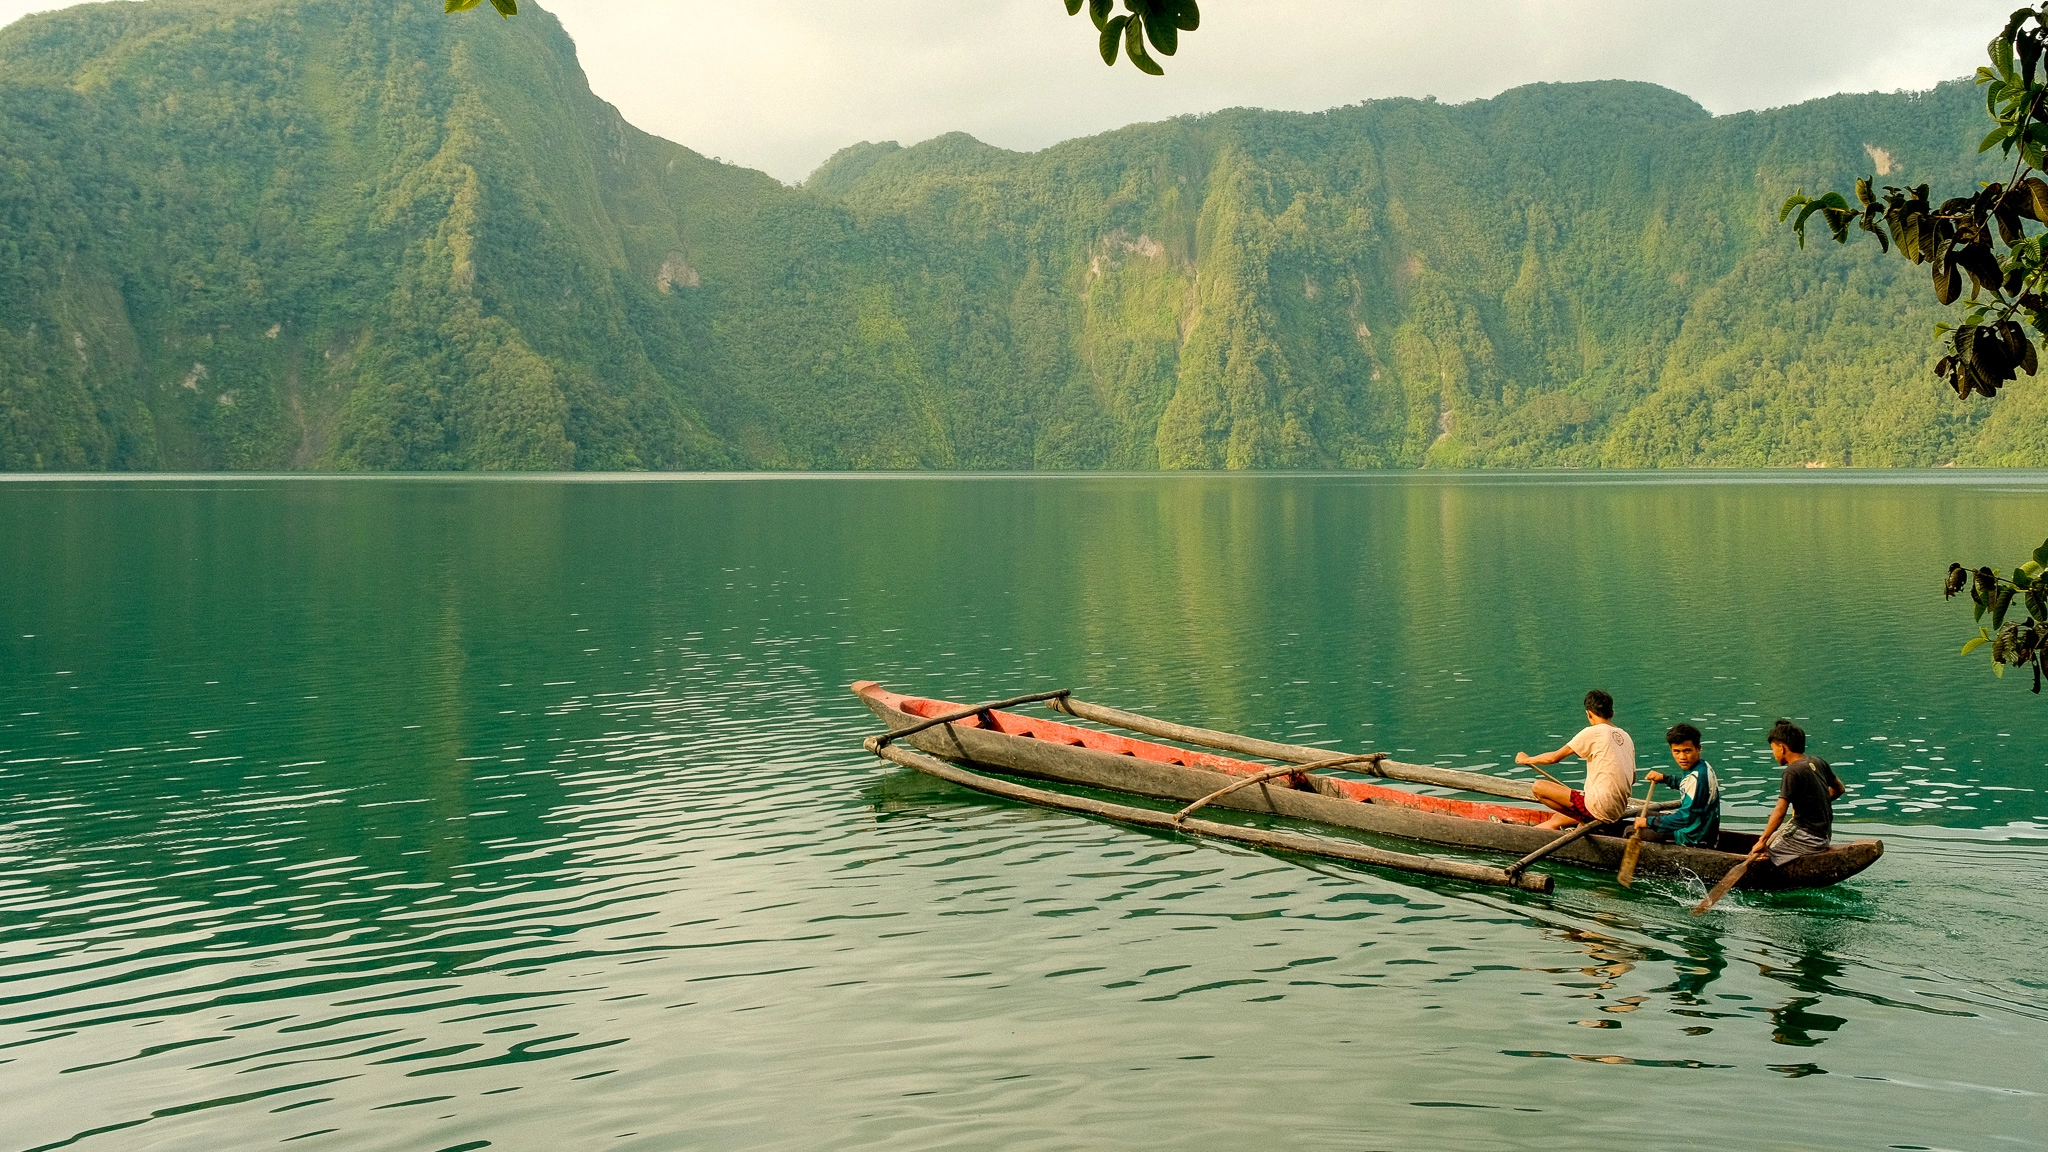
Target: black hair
{"points": [[1600, 704], [1682, 734], [1789, 734]]}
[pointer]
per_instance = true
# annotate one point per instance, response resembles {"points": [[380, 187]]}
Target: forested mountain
{"points": [[317, 234]]}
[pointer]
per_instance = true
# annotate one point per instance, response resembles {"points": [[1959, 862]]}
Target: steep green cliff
{"points": [[323, 234]]}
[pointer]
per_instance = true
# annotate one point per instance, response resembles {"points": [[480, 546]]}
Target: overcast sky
{"points": [[780, 86]]}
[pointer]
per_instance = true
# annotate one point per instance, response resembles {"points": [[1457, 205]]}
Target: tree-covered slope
{"points": [[1586, 274], [322, 234], [317, 235]]}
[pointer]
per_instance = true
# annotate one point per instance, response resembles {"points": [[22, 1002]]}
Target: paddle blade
{"points": [[1726, 885], [1629, 856], [1634, 851]]}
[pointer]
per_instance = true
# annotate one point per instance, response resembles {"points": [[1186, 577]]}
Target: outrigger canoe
{"points": [[992, 738]]}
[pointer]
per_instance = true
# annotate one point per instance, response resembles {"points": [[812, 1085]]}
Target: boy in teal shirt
{"points": [[1696, 822]]}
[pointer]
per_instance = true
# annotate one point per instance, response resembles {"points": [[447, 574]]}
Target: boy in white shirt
{"points": [[1610, 758]]}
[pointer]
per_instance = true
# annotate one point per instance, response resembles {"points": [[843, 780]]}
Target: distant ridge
{"points": [[317, 234]]}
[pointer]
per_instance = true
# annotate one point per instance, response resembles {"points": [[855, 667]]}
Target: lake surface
{"points": [[438, 815]]}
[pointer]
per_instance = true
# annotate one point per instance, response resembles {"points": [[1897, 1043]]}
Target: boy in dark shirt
{"points": [[1809, 793], [1697, 819]]}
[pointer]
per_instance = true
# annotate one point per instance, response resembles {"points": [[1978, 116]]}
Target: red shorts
{"points": [[1579, 808]]}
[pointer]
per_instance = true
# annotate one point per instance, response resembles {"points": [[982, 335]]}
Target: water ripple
{"points": [[564, 836]]}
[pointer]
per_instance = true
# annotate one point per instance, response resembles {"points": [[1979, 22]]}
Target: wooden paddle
{"points": [[1728, 881], [1585, 829], [1580, 832], [1627, 875]]}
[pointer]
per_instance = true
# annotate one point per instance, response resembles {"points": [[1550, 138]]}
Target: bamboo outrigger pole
{"points": [[1295, 753], [1308, 756], [1172, 822], [1298, 771]]}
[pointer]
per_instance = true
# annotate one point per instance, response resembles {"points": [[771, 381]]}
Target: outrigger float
{"points": [[960, 743]]}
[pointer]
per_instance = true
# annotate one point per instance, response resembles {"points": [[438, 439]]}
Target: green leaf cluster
{"points": [[2015, 644], [1159, 21], [1960, 239]]}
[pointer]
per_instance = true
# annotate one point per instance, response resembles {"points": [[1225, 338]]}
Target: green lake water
{"points": [[436, 814]]}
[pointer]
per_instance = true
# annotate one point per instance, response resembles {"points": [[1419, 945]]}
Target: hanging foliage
{"points": [[1980, 242], [1159, 21], [2018, 643]]}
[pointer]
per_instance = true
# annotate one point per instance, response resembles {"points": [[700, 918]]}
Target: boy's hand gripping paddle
{"points": [[1630, 854]]}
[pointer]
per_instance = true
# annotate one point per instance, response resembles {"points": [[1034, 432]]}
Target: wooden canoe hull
{"points": [[1047, 750]]}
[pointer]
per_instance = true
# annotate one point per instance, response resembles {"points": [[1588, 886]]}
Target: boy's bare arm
{"points": [[1546, 758], [1763, 838]]}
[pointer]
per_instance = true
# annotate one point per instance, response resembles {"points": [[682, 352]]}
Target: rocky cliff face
{"points": [[322, 234]]}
